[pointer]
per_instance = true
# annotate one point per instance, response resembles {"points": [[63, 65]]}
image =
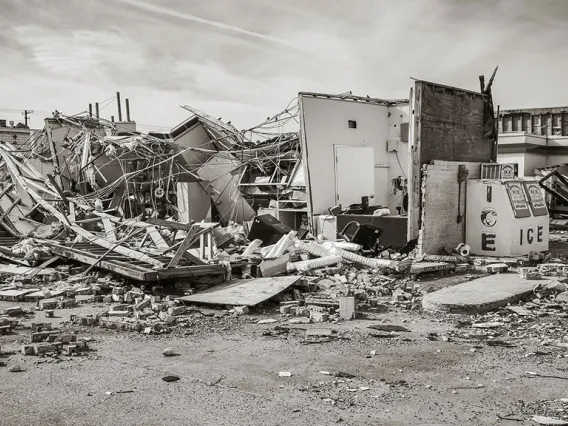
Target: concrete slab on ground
{"points": [[481, 295]]}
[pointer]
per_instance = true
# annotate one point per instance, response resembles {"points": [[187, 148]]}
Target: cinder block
{"points": [[40, 336], [347, 307], [241, 310], [28, 350], [177, 310], [47, 304], [146, 303], [316, 316], [68, 338], [496, 268]]}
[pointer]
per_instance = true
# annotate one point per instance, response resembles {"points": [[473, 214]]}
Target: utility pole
{"points": [[26, 115]]}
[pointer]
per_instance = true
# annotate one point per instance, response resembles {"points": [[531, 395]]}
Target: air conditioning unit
{"points": [[499, 171]]}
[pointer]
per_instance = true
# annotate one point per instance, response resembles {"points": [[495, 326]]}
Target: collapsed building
{"points": [[392, 185]]}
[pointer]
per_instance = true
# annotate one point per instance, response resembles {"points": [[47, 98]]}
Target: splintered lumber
{"points": [[157, 237], [170, 224], [109, 230], [132, 254], [41, 268], [130, 235], [185, 244]]}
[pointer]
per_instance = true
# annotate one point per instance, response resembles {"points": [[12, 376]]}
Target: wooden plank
{"points": [[414, 192], [243, 292], [185, 244], [109, 230], [170, 224], [25, 270], [126, 270], [126, 238], [71, 212], [186, 272], [193, 259], [41, 269], [54, 157], [157, 238]]}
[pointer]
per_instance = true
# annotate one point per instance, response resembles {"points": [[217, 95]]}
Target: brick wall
{"points": [[440, 191], [14, 136]]}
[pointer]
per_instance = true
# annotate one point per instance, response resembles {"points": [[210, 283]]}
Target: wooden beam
{"points": [[415, 180], [170, 224], [44, 265], [131, 234], [126, 270], [157, 237], [185, 272], [71, 212], [53, 152], [109, 230], [186, 243]]}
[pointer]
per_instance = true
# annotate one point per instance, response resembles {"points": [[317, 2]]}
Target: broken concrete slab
{"points": [[480, 295], [243, 292], [272, 267]]}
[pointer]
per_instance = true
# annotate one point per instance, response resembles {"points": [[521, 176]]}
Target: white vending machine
{"points": [[505, 217]]}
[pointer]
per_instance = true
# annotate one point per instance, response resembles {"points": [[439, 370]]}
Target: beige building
{"points": [[16, 135], [533, 138]]}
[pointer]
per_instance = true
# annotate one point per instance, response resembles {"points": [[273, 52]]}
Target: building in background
{"points": [[533, 138], [16, 135]]}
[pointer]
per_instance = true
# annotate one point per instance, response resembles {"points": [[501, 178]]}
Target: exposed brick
{"points": [[440, 193]]}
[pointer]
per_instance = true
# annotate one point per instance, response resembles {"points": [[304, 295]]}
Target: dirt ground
{"points": [[229, 375]]}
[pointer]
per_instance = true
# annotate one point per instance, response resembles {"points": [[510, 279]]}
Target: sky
{"points": [[245, 60]]}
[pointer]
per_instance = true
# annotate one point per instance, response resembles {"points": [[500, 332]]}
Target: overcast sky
{"points": [[244, 60]]}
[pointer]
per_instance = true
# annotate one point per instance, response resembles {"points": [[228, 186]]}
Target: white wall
{"points": [[195, 137], [198, 201], [397, 116], [325, 125], [533, 161]]}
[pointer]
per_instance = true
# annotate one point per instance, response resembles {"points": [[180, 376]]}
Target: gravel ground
{"points": [[229, 375]]}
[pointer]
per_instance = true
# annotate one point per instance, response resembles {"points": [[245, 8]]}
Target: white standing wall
{"points": [[196, 200], [325, 124]]}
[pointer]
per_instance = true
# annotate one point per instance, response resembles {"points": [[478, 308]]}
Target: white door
{"points": [[354, 174]]}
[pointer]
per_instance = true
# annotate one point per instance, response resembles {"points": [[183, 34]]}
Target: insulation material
{"points": [[312, 248], [344, 245], [366, 261], [254, 245], [308, 265], [280, 247]]}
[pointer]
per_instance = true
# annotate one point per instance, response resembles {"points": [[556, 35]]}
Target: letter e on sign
{"points": [[488, 241], [539, 234]]}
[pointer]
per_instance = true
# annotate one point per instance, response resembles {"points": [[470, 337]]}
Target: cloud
{"points": [[78, 54], [245, 60], [215, 24]]}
